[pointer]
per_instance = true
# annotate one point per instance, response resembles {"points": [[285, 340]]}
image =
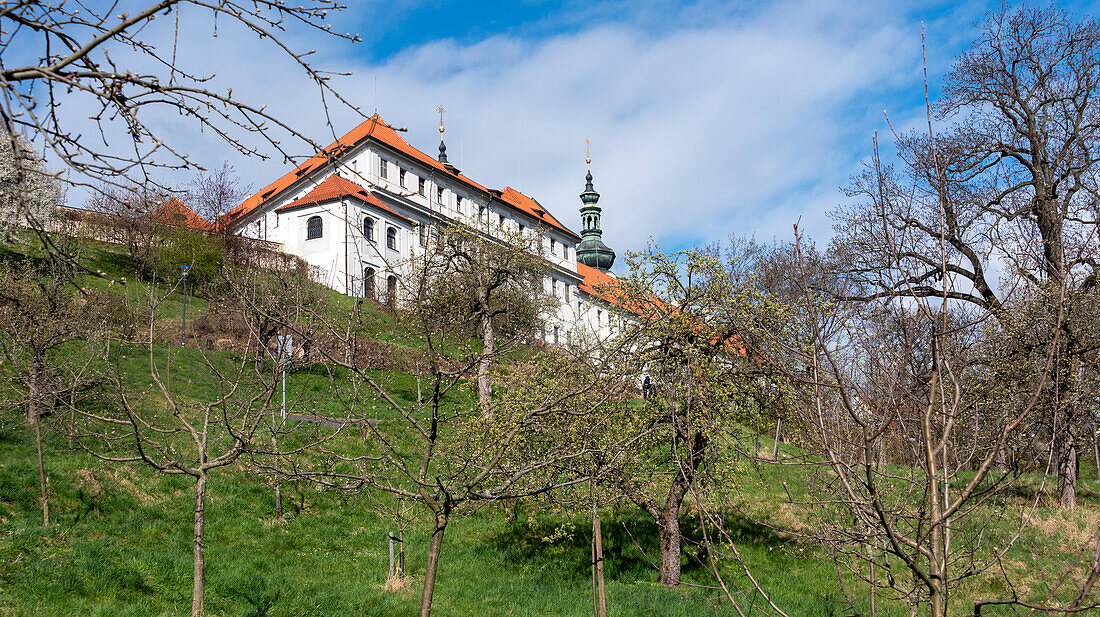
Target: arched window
{"points": [[368, 283], [391, 289], [391, 238], [368, 228], [314, 228]]}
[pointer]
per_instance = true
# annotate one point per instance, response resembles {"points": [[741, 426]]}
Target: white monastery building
{"points": [[362, 209]]}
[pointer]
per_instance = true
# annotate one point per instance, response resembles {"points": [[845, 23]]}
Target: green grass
{"points": [[120, 544]]}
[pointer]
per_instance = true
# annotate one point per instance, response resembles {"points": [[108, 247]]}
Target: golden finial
{"points": [[440, 110], [587, 154]]}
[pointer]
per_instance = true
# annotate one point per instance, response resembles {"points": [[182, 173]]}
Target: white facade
{"points": [[408, 193]]}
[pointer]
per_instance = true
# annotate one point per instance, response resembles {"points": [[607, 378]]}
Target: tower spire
{"points": [[442, 146], [592, 251]]}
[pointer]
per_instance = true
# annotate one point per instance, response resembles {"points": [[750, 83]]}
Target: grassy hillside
{"points": [[120, 539]]}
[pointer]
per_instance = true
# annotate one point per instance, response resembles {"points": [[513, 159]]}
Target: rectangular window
{"points": [[567, 292], [458, 203], [480, 213], [521, 228], [383, 168], [439, 195], [501, 220], [424, 234], [553, 246], [420, 187], [401, 177]]}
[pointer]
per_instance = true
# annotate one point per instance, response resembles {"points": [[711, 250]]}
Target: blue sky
{"points": [[707, 118]]}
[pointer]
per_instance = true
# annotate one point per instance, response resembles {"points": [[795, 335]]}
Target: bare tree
{"points": [[1009, 188], [451, 451], [45, 324], [173, 430]]}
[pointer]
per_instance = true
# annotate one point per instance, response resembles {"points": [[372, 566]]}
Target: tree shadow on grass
{"points": [[630, 544]]}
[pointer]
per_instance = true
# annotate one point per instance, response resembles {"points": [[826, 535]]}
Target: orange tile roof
{"points": [[373, 128], [334, 187], [376, 128], [609, 289], [175, 212], [527, 204]]}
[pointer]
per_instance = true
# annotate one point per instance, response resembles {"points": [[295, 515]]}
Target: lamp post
{"points": [[184, 270]]}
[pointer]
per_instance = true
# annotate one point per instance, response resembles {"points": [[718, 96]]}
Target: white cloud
{"points": [[738, 124]]}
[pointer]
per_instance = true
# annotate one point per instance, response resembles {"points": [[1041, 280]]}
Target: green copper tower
{"points": [[592, 251]]}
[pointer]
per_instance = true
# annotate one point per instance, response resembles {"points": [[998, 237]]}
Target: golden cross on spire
{"points": [[441, 111], [587, 154]]}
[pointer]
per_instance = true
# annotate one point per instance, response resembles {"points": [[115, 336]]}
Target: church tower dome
{"points": [[592, 251]]}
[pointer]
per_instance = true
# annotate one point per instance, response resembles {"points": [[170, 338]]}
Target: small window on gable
{"points": [[391, 239], [401, 178], [420, 186], [383, 168], [368, 228], [314, 228]]}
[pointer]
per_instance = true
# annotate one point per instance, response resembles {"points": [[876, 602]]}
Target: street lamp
{"points": [[184, 270]]}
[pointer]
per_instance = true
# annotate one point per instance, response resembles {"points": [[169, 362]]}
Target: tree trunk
{"points": [[432, 568], [1065, 454], [200, 523], [668, 534], [1096, 451], [278, 482], [484, 390], [41, 471], [597, 537], [34, 416]]}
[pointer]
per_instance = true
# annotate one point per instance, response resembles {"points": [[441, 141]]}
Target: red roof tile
{"points": [[334, 187], [376, 128], [373, 128], [527, 204], [175, 212]]}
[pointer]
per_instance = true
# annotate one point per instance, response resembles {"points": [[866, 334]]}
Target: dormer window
{"points": [[383, 168]]}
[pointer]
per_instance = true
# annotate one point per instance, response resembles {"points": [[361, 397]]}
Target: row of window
{"points": [[421, 183], [315, 228], [370, 281]]}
